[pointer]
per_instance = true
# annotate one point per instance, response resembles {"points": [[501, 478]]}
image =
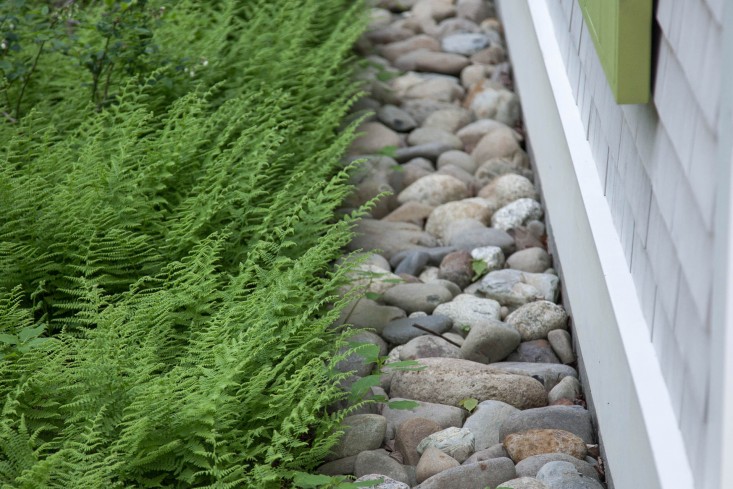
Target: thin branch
{"points": [[28, 79], [423, 328]]}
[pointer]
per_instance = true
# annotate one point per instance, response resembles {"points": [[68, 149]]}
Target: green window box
{"points": [[622, 34]]}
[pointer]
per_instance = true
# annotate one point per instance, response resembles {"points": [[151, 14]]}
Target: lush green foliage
{"points": [[168, 183]]}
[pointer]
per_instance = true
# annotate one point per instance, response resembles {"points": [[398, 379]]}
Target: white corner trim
{"points": [[642, 440]]}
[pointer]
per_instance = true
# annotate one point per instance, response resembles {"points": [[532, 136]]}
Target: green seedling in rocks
{"points": [[479, 268], [469, 404]]}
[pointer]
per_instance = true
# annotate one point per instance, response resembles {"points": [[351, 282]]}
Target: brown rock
{"points": [[409, 435], [423, 60], [456, 267], [374, 136], [432, 462], [536, 442], [525, 239]]}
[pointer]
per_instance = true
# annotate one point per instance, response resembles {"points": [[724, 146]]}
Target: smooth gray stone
{"points": [[537, 351], [342, 466], [494, 451], [435, 255], [413, 263], [400, 331], [531, 465], [396, 118], [489, 341], [563, 475], [489, 473], [357, 363], [465, 43], [486, 421], [361, 432], [479, 237], [431, 151], [574, 419], [379, 462], [387, 482], [567, 388], [547, 373], [443, 415]]}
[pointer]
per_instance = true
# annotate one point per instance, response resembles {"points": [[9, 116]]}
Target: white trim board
{"points": [[640, 433]]}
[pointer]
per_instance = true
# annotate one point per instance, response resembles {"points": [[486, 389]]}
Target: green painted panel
{"points": [[622, 34]]}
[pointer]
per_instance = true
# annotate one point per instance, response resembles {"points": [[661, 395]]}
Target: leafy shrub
{"points": [[167, 240]]}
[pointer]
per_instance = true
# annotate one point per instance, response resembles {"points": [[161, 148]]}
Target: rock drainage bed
{"points": [[461, 281]]}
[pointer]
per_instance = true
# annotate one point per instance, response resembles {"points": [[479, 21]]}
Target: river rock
{"points": [[492, 256], [485, 422], [523, 483], [458, 443], [434, 190], [456, 267], [421, 109], [562, 345], [401, 331], [472, 133], [445, 416], [468, 235], [390, 237], [465, 43], [573, 419], [424, 60], [494, 451], [357, 363], [396, 118], [516, 214], [342, 466], [497, 143], [496, 167], [379, 462], [466, 310], [433, 461], [507, 188], [413, 263], [474, 10], [373, 137], [564, 475], [547, 373], [443, 89], [361, 432], [497, 103], [448, 214], [513, 288], [366, 313], [489, 341], [430, 151], [489, 473], [536, 319], [393, 51], [409, 435], [537, 351], [568, 388], [385, 482], [449, 120], [531, 465], [412, 212], [450, 380], [457, 158], [429, 346], [427, 135], [538, 441], [414, 297], [533, 260]]}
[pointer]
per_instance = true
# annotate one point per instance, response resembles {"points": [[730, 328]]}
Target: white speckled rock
{"points": [[507, 188], [536, 319], [491, 255], [434, 190], [513, 288], [516, 214], [465, 43], [468, 310], [457, 443], [386, 482]]}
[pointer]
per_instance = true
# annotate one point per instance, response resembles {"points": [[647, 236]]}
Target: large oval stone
{"points": [[450, 380], [528, 443]]}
